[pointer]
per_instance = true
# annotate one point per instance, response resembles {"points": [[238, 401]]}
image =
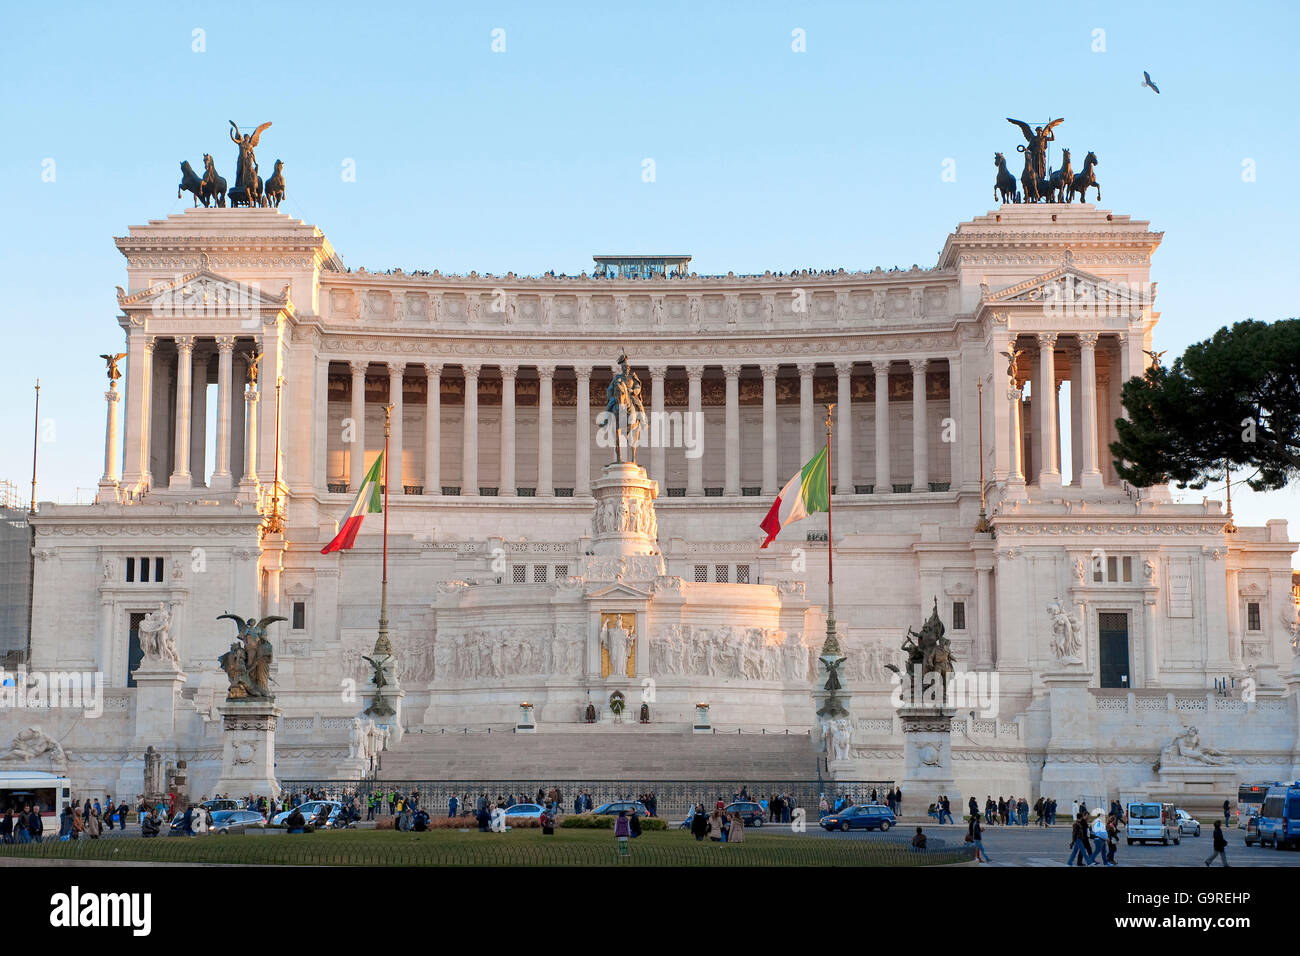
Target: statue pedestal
{"points": [[1071, 770], [624, 519], [248, 753], [158, 687], [384, 707], [927, 755], [1197, 780]]}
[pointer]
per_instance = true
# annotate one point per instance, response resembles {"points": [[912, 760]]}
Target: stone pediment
{"points": [[618, 592], [205, 293], [1067, 285]]}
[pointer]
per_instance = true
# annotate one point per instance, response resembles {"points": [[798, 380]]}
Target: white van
{"points": [[1152, 822]]}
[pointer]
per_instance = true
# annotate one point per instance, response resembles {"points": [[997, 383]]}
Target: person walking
{"points": [[973, 806], [453, 804], [1098, 839], [1078, 842], [736, 832], [975, 835], [1220, 845], [1227, 810], [622, 830], [699, 823], [94, 826], [945, 809], [1112, 837]]}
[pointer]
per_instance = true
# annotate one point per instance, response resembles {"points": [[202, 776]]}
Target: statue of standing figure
{"points": [[614, 639], [623, 402], [248, 662], [1066, 629], [155, 635], [247, 190]]}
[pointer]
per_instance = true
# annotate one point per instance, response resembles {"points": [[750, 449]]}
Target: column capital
{"points": [[396, 369], [471, 369], [150, 343], [1088, 340], [358, 367], [584, 371], [1013, 394], [881, 366], [844, 368], [658, 371], [695, 374], [508, 371], [1047, 340], [433, 369], [225, 344], [919, 365], [112, 395], [731, 371], [807, 368], [769, 372], [184, 343], [545, 372], [251, 394]]}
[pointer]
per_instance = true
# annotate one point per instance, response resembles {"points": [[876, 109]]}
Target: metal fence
{"points": [[672, 797]]}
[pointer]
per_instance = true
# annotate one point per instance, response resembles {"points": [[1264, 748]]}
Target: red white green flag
{"points": [[806, 493], [370, 500]]}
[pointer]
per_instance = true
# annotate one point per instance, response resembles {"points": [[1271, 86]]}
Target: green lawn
{"points": [[516, 848]]}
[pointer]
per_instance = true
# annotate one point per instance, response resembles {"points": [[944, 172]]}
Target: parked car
{"points": [[1252, 829], [1152, 823], [862, 816], [752, 814], [221, 804], [236, 821], [631, 806], [1187, 824], [531, 810], [310, 810]]}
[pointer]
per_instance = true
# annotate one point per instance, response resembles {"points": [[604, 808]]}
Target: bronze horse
{"points": [[1029, 178], [1059, 182], [1080, 183], [275, 186], [214, 187], [190, 181], [1006, 183]]}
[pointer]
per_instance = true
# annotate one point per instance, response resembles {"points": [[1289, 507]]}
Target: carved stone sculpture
{"points": [[155, 635], [1066, 634], [248, 662], [32, 744], [1186, 750]]}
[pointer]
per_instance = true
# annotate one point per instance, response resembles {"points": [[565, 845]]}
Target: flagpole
{"points": [[381, 645], [36, 431], [832, 645]]}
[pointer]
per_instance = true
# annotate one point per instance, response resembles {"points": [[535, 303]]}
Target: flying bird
{"points": [[1147, 81]]}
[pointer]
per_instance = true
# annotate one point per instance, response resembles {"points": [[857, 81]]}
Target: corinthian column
{"points": [[769, 430], [658, 429], [920, 428], [248, 487], [108, 484], [508, 486], [884, 483], [393, 468], [469, 435], [806, 370], [433, 430], [221, 477], [694, 409], [357, 447], [545, 432], [1049, 474], [180, 477], [582, 409], [844, 427], [1087, 402], [731, 475]]}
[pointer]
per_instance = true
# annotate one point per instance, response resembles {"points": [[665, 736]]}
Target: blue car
{"points": [[1279, 817], [865, 816]]}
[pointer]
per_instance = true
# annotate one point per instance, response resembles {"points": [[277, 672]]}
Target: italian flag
{"points": [[369, 501], [806, 493]]}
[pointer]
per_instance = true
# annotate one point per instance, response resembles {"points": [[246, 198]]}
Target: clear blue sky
{"points": [[531, 159]]}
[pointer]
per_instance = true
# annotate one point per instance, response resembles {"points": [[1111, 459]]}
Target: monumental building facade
{"points": [[257, 372]]}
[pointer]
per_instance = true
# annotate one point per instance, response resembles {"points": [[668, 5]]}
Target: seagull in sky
{"points": [[1147, 81]]}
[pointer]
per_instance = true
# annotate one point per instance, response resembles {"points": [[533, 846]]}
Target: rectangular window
{"points": [[561, 572], [1128, 570], [158, 569], [959, 615], [134, 652], [1112, 569], [701, 574], [299, 615], [519, 573], [130, 570], [539, 574], [722, 574], [1252, 616], [742, 574]]}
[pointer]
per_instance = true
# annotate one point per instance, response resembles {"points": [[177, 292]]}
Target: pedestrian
{"points": [[1112, 837], [898, 798], [547, 820], [453, 805], [918, 841], [975, 835], [1078, 842], [94, 826], [974, 807], [945, 809], [7, 826], [35, 824], [78, 823], [716, 830], [1227, 810], [1220, 845], [736, 833], [1098, 829], [622, 830]]}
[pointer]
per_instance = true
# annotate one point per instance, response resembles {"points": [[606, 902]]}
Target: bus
{"points": [[1250, 797], [49, 791]]}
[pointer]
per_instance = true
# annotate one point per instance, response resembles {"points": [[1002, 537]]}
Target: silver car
{"points": [[1187, 824]]}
